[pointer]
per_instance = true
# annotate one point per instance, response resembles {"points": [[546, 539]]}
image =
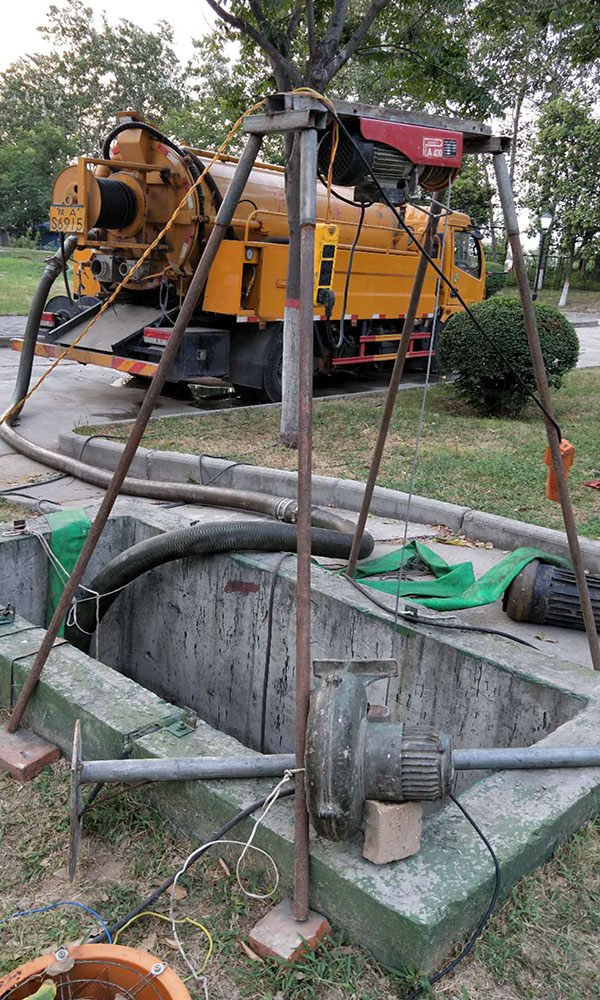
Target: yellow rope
{"points": [[145, 254], [309, 92], [299, 90], [183, 920]]}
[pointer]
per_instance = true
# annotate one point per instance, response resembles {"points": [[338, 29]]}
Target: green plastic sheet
{"points": [[455, 587], [69, 531]]}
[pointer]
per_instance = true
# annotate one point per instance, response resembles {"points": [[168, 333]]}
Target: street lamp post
{"points": [[545, 223]]}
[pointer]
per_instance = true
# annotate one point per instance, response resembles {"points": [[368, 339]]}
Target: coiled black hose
{"points": [[198, 539]]}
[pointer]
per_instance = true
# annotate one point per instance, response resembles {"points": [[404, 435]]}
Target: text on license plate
{"points": [[67, 218]]}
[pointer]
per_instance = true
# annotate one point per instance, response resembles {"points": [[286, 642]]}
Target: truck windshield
{"points": [[467, 255]]}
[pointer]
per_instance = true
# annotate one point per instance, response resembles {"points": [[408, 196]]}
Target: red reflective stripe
{"points": [[138, 368]]}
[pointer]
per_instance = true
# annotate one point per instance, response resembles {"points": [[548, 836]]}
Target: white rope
{"points": [[64, 575], [246, 846]]}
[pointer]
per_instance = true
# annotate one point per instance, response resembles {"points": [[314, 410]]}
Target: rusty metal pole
{"points": [[390, 399], [222, 222], [308, 214], [512, 232]]}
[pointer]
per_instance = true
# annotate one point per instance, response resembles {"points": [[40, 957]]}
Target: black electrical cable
{"points": [[227, 468], [201, 850], [443, 277], [436, 624], [363, 209], [42, 482], [65, 268], [39, 500], [94, 437], [484, 920], [336, 194]]}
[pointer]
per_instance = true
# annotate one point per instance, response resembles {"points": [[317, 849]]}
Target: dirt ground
{"points": [[542, 943]]}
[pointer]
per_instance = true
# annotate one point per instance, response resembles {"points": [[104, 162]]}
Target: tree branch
{"points": [[310, 26], [355, 40], [278, 61], [331, 38], [259, 14]]}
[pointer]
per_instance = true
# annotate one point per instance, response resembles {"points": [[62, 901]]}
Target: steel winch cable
{"points": [[413, 471]]}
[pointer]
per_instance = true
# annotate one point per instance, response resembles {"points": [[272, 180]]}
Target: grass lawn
{"points": [[488, 464], [542, 942], [9, 510], [20, 272], [578, 301]]}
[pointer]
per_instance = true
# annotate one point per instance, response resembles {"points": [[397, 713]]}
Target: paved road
{"points": [[77, 394]]}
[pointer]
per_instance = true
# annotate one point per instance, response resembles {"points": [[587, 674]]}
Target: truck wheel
{"points": [[273, 372]]}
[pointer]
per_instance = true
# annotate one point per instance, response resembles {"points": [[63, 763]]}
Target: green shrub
{"points": [[482, 377], [25, 242], [495, 278]]}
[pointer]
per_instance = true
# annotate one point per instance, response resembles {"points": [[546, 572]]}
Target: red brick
{"points": [[23, 754], [278, 935]]}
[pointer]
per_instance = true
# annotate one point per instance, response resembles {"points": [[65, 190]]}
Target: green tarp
{"points": [[69, 531], [455, 587]]}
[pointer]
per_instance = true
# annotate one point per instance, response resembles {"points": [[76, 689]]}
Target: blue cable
{"points": [[53, 906]]}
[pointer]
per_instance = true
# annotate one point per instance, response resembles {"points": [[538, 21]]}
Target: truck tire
{"points": [[272, 384]]}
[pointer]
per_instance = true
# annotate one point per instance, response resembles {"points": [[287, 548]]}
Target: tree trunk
{"points": [[565, 292], [517, 119], [291, 316], [493, 241]]}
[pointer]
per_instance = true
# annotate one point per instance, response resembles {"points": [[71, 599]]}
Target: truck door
{"points": [[468, 272]]}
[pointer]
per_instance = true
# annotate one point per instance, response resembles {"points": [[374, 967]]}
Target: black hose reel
{"points": [[353, 754]]}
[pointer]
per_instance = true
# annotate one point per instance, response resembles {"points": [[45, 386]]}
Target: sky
{"points": [[19, 35]]}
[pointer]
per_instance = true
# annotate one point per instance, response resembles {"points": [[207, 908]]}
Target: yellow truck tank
{"points": [[119, 202]]}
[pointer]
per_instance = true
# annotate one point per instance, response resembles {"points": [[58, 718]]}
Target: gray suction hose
{"points": [[281, 508], [54, 266], [198, 539]]}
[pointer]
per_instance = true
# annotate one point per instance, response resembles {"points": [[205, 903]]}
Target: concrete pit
{"points": [[193, 635]]}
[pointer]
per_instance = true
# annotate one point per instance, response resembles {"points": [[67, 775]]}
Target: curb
{"points": [[503, 532]]}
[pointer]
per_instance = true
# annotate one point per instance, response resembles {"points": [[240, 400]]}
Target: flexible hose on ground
{"points": [[281, 508], [198, 539], [54, 266]]}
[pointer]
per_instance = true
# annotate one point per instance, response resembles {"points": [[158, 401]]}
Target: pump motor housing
{"points": [[350, 759]]}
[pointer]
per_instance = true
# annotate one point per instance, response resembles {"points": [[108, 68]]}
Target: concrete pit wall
{"points": [[194, 634]]}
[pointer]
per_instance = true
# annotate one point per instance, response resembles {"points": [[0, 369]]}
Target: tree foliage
{"points": [[472, 193], [28, 158], [563, 176], [62, 102], [91, 72]]}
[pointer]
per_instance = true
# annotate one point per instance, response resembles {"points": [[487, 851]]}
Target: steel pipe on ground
{"points": [[185, 768], [274, 765], [515, 758]]}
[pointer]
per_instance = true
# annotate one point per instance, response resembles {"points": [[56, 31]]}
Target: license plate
{"points": [[67, 218]]}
